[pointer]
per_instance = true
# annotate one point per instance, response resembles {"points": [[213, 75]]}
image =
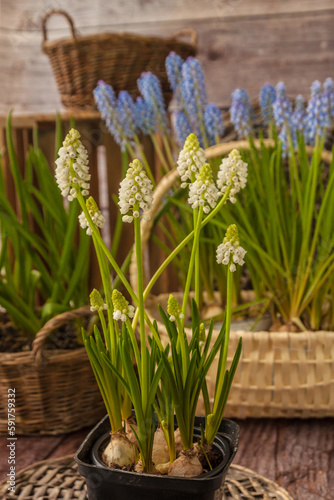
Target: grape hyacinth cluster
{"points": [[299, 114], [241, 113], [203, 191], [328, 97], [191, 159], [174, 64], [135, 192], [144, 117], [150, 89], [267, 99], [232, 175], [122, 309], [182, 126], [174, 309], [214, 124], [96, 301], [317, 119], [97, 218], [72, 171], [230, 252]]}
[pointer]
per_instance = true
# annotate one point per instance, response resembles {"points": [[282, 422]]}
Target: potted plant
{"points": [[289, 262], [44, 263], [156, 380]]}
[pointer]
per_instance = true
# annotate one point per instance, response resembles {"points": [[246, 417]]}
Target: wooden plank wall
{"points": [[241, 42]]}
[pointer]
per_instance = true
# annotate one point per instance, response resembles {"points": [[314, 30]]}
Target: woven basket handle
{"points": [[62, 13], [53, 324], [188, 32]]}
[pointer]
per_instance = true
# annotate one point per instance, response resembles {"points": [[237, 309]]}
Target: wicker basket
{"points": [[117, 58], [280, 374], [55, 390]]}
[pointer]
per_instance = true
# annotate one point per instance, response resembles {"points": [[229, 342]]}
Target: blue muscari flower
{"points": [[193, 95], [282, 106], [299, 114], [214, 124], [241, 112], [174, 64], [182, 127], [126, 112], [144, 117], [317, 119], [150, 89], [106, 102], [267, 99], [328, 97]]}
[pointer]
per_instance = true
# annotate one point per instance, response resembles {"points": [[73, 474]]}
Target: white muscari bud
{"points": [[122, 309], [190, 160], [72, 172], [135, 192], [96, 216], [174, 309], [232, 172], [203, 192], [96, 301], [230, 252]]}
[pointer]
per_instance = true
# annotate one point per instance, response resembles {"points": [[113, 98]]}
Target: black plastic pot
{"points": [[104, 483]]}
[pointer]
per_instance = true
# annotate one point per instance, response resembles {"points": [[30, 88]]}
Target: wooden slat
{"points": [[246, 52], [27, 13]]}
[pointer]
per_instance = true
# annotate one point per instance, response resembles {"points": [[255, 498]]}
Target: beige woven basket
{"points": [[119, 59], [55, 390], [280, 374]]}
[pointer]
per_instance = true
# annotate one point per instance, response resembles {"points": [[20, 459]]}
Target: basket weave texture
{"points": [[56, 479], [280, 374], [78, 62], [52, 387]]}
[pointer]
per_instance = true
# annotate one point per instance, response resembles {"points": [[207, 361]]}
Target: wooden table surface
{"points": [[297, 454]]}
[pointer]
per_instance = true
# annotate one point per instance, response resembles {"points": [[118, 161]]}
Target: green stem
{"points": [[168, 151], [104, 248], [192, 262], [223, 358], [144, 159], [144, 360], [176, 250], [159, 151]]}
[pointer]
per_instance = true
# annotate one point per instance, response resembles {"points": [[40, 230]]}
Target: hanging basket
{"points": [[55, 390], [280, 374], [119, 59]]}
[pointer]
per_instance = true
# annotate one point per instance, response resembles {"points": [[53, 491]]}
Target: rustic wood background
{"points": [[241, 42]]}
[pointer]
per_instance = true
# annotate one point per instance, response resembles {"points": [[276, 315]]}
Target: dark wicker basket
{"points": [[55, 390], [119, 59]]}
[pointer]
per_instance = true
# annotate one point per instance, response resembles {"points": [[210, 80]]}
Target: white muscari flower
{"points": [[135, 192], [232, 173], [203, 192], [97, 302], [72, 171], [122, 309], [174, 309], [230, 252], [96, 216], [190, 160]]}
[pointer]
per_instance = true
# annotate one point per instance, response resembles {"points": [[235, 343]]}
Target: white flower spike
{"points": [[174, 309], [232, 172], [72, 172], [122, 309], [203, 192], [135, 192], [191, 159], [97, 302], [230, 252], [96, 216]]}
